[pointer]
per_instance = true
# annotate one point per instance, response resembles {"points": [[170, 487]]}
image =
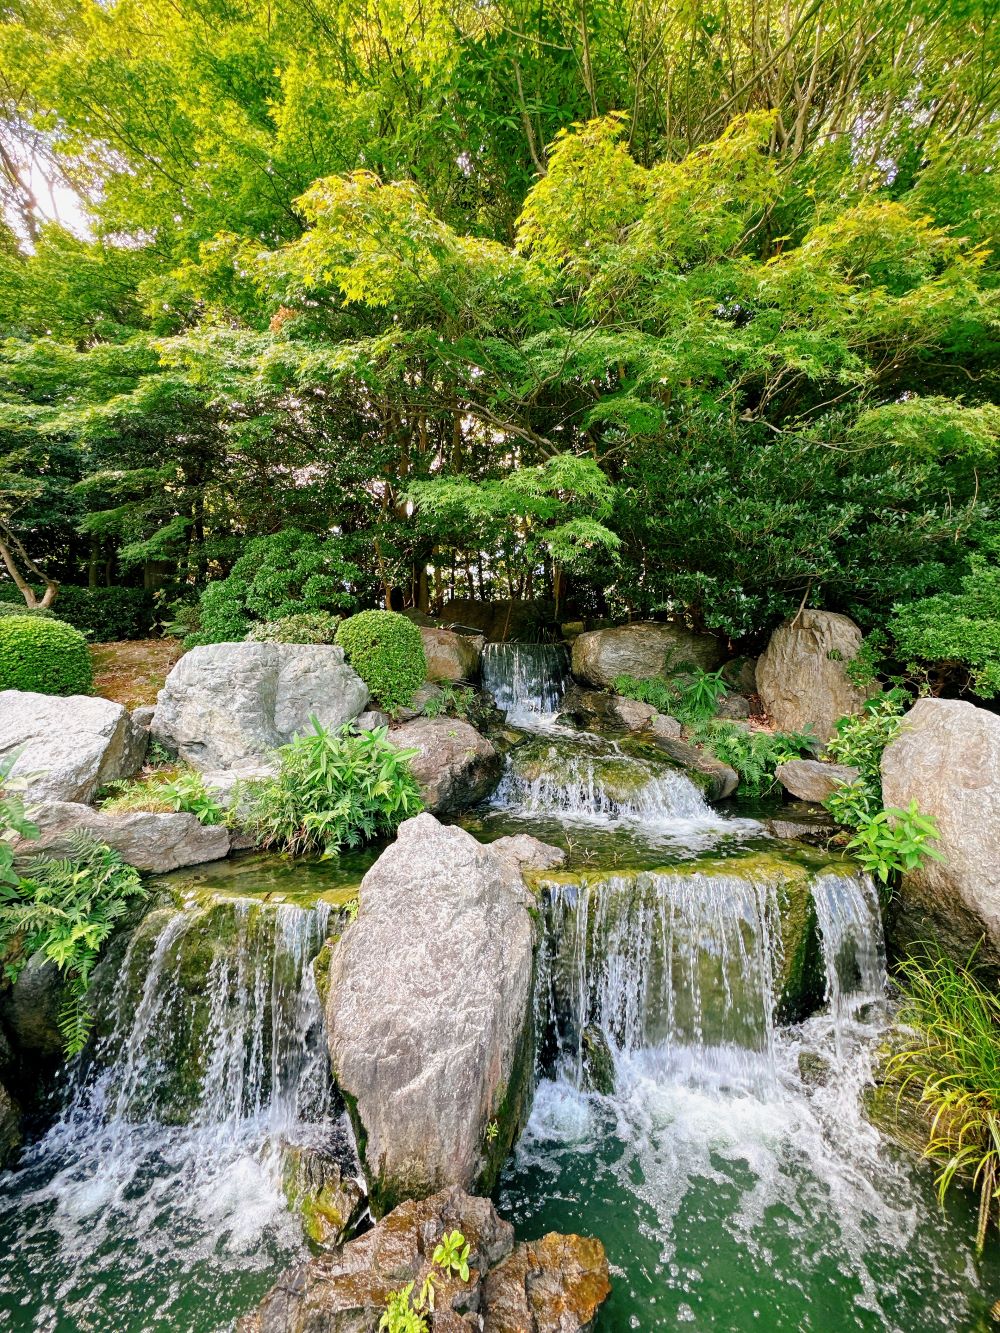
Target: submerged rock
{"points": [[68, 748], [947, 759], [715, 778], [455, 766], [598, 1062], [451, 656], [434, 1044], [812, 780], [149, 841], [801, 676], [528, 853], [317, 1189], [644, 650], [554, 1285], [225, 703]]}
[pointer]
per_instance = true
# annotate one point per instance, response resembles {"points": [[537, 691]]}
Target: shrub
{"points": [[692, 695], [895, 841], [386, 651], [334, 789], [67, 908], [284, 574], [954, 1055], [20, 609], [956, 629], [106, 614], [166, 790], [305, 627], [43, 655], [753, 754], [859, 742]]}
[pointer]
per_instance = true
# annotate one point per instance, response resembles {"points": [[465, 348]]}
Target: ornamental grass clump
{"points": [[46, 656], [954, 1058], [334, 790], [387, 652]]}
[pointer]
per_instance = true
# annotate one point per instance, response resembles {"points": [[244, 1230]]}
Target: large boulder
{"points": [[812, 780], [455, 766], [226, 703], [432, 1043], [801, 677], [947, 759], [554, 1285], [149, 841], [644, 650], [451, 656], [68, 747]]}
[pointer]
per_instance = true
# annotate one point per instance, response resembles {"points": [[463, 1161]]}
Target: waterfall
{"points": [[526, 679], [692, 969]]}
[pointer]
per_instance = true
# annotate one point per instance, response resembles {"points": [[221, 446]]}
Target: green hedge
{"points": [[19, 609], [106, 614], [46, 656], [387, 652]]}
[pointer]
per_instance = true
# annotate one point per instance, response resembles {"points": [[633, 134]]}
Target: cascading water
{"points": [[161, 1184], [527, 680]]}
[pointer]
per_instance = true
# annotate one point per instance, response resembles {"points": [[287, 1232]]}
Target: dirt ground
{"points": [[131, 673]]}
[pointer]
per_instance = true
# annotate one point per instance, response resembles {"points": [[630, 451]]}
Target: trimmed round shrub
{"points": [[306, 627], [46, 656], [386, 651], [20, 609]]}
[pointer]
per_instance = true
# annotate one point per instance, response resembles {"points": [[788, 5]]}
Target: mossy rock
{"points": [[316, 1187]]}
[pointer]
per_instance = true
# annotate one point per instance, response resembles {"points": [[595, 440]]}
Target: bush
{"points": [[285, 574], [333, 790], [956, 630], [106, 614], [166, 790], [20, 609], [305, 627], [387, 652], [755, 755], [691, 695], [44, 655]]}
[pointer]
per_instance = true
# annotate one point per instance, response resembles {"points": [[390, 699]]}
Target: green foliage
{"points": [[858, 742], [957, 629], [387, 652], [164, 790], [333, 790], [692, 695], [14, 823], [286, 574], [106, 615], [753, 754], [67, 909], [894, 841], [953, 1054], [304, 627], [43, 655], [22, 609], [451, 1255], [403, 1311], [399, 1316], [452, 700], [658, 693]]}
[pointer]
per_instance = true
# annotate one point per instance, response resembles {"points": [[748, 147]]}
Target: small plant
{"points": [[14, 823], [304, 627], [954, 1056], [46, 656], [399, 1315], [452, 1254], [658, 693], [351, 908], [66, 909], [491, 1131], [895, 841], [700, 693], [166, 790], [853, 804], [387, 652], [456, 700], [755, 755], [335, 789], [859, 742], [403, 1314]]}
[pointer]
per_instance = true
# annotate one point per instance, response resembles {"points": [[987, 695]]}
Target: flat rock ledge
{"points": [[148, 840], [812, 780], [554, 1285]]}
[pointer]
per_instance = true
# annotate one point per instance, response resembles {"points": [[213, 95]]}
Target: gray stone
{"points": [[644, 650], [68, 747], [528, 853], [451, 656], [421, 698], [553, 1285], [371, 719], [143, 716], [716, 779], [455, 766], [740, 674], [327, 1199], [230, 786], [154, 841], [664, 727], [812, 780], [801, 677], [434, 1043], [947, 759], [31, 1009], [346, 1291], [10, 1128], [230, 702], [733, 707]]}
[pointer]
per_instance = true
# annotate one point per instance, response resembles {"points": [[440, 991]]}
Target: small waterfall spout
{"points": [[527, 680]]}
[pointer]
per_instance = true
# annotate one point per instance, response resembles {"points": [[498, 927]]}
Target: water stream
{"points": [[734, 986]]}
